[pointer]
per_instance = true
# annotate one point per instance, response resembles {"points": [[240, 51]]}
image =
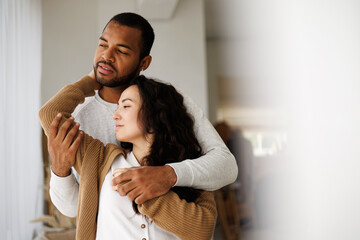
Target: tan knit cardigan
{"points": [[195, 220]]}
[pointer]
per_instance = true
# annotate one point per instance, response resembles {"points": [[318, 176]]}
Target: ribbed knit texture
{"points": [[197, 223], [93, 161]]}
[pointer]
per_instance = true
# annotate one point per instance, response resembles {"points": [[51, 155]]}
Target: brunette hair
{"points": [[164, 115]]}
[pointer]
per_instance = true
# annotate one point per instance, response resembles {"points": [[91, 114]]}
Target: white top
{"points": [[210, 172], [116, 216]]}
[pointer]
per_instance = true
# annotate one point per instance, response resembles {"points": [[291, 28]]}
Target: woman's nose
{"points": [[116, 115]]}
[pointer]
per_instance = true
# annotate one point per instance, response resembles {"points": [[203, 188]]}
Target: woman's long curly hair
{"points": [[164, 115]]}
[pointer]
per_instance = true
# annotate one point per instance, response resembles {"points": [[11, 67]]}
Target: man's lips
{"points": [[105, 69]]}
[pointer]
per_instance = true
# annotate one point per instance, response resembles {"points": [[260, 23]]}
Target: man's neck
{"points": [[111, 95]]}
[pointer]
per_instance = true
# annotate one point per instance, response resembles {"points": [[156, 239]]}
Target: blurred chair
{"points": [[228, 212]]}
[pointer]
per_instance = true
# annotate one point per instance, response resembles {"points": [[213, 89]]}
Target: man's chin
{"points": [[105, 81]]}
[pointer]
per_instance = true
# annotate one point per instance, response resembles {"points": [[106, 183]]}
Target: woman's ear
{"points": [[145, 63]]}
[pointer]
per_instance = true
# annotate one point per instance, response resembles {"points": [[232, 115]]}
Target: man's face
{"points": [[117, 56]]}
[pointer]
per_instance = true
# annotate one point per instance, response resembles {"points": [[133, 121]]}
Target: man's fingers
{"points": [[118, 171], [133, 194], [141, 199], [69, 138], [126, 188], [121, 175], [54, 125], [75, 145], [64, 127]]}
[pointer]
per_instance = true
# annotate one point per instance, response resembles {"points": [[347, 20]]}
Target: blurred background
{"points": [[279, 79]]}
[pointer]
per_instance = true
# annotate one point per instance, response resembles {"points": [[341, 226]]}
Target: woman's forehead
{"points": [[131, 93]]}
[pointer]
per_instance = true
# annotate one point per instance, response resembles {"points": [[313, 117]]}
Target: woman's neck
{"points": [[141, 149]]}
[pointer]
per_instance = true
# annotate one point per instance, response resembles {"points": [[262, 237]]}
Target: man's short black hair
{"points": [[134, 20]]}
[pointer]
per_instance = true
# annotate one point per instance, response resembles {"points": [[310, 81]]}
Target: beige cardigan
{"points": [[194, 220]]}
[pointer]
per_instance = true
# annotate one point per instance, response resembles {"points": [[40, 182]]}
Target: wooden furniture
{"points": [[228, 213]]}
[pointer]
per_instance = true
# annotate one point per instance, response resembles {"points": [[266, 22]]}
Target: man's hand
{"points": [[62, 147], [145, 183]]}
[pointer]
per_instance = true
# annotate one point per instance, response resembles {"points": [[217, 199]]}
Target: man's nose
{"points": [[108, 55]]}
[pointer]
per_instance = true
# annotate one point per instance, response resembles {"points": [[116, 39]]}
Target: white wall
{"points": [[247, 55], [309, 49], [72, 27]]}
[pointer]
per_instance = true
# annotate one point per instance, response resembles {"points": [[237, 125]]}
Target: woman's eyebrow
{"points": [[127, 99]]}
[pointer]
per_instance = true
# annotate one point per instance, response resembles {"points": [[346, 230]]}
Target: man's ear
{"points": [[145, 63]]}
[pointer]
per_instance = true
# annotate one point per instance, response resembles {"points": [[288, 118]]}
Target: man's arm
{"points": [[215, 169], [63, 145], [64, 189]]}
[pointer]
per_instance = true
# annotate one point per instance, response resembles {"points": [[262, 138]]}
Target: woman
{"points": [[152, 124]]}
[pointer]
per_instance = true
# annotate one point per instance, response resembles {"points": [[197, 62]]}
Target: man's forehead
{"points": [[121, 27], [123, 33]]}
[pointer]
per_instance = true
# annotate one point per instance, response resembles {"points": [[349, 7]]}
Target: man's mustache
{"points": [[107, 63]]}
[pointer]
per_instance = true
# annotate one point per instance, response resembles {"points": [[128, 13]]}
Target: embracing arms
{"points": [[215, 169], [212, 171]]}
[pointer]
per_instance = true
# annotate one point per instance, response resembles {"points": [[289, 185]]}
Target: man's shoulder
{"points": [[89, 103]]}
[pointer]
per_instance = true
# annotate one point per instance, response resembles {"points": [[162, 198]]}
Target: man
{"points": [[123, 51]]}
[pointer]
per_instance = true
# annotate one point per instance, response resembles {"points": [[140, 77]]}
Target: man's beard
{"points": [[122, 81]]}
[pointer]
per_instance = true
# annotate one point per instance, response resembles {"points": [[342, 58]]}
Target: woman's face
{"points": [[128, 126]]}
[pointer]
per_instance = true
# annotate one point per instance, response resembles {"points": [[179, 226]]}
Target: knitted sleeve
{"points": [[65, 101], [187, 220]]}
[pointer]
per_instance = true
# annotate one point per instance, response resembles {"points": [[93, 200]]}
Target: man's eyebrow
{"points": [[120, 45], [101, 38]]}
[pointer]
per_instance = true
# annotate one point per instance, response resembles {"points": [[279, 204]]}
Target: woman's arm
{"points": [[187, 220]]}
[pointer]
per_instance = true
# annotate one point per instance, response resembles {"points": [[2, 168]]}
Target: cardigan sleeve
{"points": [[187, 220], [65, 102]]}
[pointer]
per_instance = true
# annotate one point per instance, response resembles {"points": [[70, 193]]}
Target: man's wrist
{"points": [[61, 173], [64, 183], [171, 176]]}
